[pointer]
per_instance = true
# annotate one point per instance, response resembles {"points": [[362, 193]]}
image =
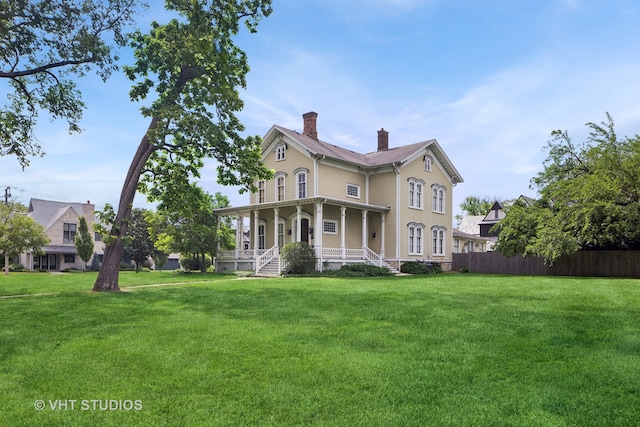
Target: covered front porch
{"points": [[340, 232]]}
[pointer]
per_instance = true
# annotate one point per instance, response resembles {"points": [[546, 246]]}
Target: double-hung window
{"points": [[280, 188], [281, 152], [301, 184], [69, 232], [415, 238], [262, 191], [438, 233], [415, 193], [438, 198]]}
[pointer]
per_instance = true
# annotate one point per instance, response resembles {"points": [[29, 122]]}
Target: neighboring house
{"points": [[386, 207], [466, 238], [60, 221], [475, 234]]}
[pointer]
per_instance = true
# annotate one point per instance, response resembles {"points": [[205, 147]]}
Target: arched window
{"points": [[280, 188], [416, 232], [438, 201], [428, 161], [262, 191], [415, 192], [281, 152], [438, 233], [301, 183]]}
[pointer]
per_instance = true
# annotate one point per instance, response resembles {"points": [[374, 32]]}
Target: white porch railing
{"points": [[266, 257], [371, 256], [239, 254]]}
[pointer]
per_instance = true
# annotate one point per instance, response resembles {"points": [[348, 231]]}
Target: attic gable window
{"points": [[281, 152], [428, 161]]}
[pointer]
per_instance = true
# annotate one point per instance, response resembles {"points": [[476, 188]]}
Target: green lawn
{"points": [[450, 349], [21, 283]]}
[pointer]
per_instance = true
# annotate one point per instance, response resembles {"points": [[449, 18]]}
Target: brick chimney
{"points": [[383, 140], [310, 124]]}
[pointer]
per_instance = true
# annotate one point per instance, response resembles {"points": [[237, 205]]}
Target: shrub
{"points": [[16, 267], [357, 270], [414, 267], [125, 266], [194, 263], [299, 258]]}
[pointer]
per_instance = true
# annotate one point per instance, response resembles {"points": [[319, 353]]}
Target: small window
{"points": [[428, 161], [281, 152], [97, 237], [69, 258], [353, 191], [69, 232], [330, 226]]}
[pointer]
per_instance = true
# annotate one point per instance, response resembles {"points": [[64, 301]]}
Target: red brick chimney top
{"points": [[310, 124], [383, 140]]}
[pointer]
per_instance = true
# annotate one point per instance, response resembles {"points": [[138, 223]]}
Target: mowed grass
{"points": [[452, 349], [22, 283]]}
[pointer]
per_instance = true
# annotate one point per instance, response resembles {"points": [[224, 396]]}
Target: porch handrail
{"points": [[371, 256], [266, 257]]}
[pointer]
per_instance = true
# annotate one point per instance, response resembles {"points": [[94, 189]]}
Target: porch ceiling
{"points": [[247, 209]]}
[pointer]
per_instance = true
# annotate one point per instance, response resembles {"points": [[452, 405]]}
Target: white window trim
{"points": [[438, 204], [416, 198], [428, 163], [416, 246], [356, 187], [262, 187], [281, 152], [284, 186], [440, 247], [298, 173], [329, 221]]}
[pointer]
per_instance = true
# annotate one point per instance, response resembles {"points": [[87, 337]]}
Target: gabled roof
{"points": [[46, 211], [471, 224], [391, 156]]}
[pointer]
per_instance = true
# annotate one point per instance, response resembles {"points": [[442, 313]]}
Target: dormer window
{"points": [[281, 152]]}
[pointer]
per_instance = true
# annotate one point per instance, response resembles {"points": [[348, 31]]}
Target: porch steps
{"points": [[391, 268], [269, 270]]}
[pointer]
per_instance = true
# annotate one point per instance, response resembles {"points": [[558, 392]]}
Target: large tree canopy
{"points": [[589, 198], [44, 46], [195, 70]]}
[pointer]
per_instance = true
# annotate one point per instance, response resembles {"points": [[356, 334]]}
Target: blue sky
{"points": [[489, 80]]}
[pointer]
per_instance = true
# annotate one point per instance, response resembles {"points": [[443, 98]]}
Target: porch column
{"points": [[364, 229], [343, 224], [239, 235], [382, 215], [276, 222], [317, 234], [255, 234], [298, 223]]}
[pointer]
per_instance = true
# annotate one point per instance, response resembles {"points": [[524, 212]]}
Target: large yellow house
{"points": [[385, 208]]}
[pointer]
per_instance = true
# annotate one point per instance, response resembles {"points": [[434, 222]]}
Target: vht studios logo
{"points": [[88, 405]]}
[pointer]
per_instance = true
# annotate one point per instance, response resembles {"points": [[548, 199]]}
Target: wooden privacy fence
{"points": [[582, 263]]}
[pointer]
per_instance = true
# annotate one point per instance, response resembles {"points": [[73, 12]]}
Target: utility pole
{"points": [[7, 194]]}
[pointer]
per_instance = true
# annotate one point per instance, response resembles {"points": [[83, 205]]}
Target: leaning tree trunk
{"points": [[107, 280]]}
